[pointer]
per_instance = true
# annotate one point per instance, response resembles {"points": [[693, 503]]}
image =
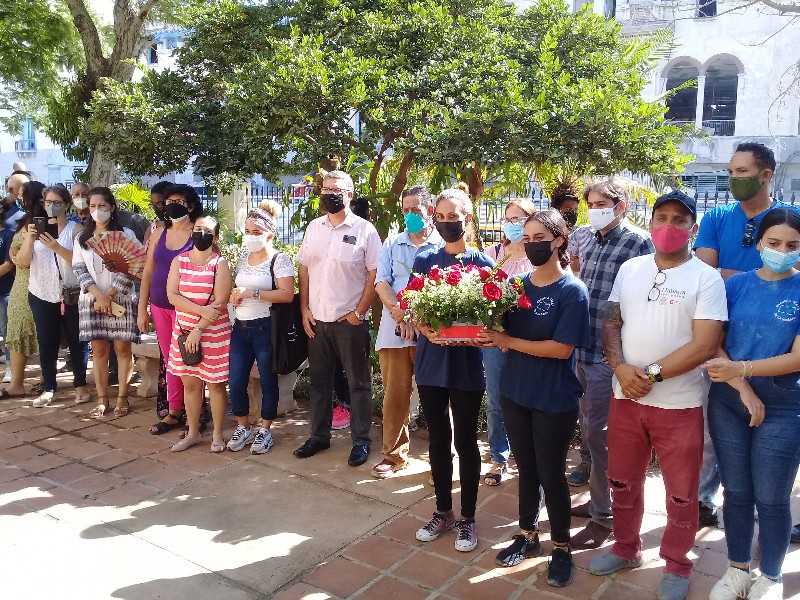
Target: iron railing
{"points": [[720, 127]]}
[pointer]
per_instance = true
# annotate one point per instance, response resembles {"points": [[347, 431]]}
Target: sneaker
{"points": [[521, 548], [262, 442], [795, 539], [673, 587], [240, 438], [436, 526], [580, 475], [765, 588], [708, 516], [44, 399], [467, 538], [559, 568], [341, 417], [608, 563], [734, 584], [7, 378]]}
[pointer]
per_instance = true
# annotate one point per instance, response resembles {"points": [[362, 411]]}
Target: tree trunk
{"points": [[472, 175], [102, 170], [401, 179]]}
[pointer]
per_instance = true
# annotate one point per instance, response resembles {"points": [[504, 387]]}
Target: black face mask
{"points": [[161, 213], [451, 231], [175, 211], [202, 239], [333, 203], [538, 252], [571, 217]]}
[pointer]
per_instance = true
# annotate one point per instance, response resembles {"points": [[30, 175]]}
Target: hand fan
{"points": [[116, 248]]}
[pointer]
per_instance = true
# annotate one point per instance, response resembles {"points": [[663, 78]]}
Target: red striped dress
{"points": [[196, 283]]}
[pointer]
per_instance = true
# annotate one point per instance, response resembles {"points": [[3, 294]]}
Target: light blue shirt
{"points": [[396, 262]]}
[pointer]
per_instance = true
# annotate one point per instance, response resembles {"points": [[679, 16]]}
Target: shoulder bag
{"points": [[190, 359], [289, 344]]}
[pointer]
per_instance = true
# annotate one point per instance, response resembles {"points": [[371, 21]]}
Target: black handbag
{"points": [[289, 344], [190, 359]]}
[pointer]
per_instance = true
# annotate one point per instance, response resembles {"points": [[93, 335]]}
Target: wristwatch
{"points": [[257, 294], [358, 315], [654, 372]]}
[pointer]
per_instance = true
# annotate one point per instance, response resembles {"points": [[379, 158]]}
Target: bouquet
{"points": [[460, 301]]}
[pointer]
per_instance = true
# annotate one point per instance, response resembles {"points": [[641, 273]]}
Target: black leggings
{"points": [[540, 442], [466, 406]]}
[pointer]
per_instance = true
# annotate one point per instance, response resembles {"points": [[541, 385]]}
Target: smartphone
{"points": [[41, 225], [117, 310]]}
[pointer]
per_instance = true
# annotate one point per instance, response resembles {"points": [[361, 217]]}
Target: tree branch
{"points": [[782, 8], [144, 11], [96, 63], [387, 142]]}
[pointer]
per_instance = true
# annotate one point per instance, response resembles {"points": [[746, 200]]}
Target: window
{"points": [[795, 186], [719, 104], [152, 57], [710, 183], [172, 43], [706, 8], [682, 105]]}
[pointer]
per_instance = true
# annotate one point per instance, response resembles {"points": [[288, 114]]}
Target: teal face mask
{"points": [[514, 232], [414, 222], [778, 262]]}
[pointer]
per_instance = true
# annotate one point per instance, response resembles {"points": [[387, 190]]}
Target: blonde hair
{"points": [[265, 215], [526, 205], [272, 208]]}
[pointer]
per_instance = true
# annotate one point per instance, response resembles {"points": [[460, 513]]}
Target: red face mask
{"points": [[669, 238]]}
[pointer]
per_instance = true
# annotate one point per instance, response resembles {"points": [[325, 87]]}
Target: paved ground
{"points": [[102, 509]]}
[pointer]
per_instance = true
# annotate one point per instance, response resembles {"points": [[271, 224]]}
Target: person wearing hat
{"points": [[663, 320]]}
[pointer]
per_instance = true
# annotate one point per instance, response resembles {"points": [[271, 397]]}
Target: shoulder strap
{"points": [[214, 281], [272, 270]]}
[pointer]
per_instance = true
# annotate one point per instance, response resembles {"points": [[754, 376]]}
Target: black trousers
{"points": [[466, 405], [540, 442]]}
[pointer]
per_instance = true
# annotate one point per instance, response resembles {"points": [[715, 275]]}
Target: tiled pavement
{"points": [[113, 513]]}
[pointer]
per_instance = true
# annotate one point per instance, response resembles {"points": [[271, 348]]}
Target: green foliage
{"points": [[133, 197]]}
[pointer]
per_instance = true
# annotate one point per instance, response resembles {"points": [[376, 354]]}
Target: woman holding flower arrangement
{"points": [[540, 391]]}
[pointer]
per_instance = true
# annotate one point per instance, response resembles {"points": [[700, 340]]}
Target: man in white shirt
{"points": [[338, 263], [664, 318]]}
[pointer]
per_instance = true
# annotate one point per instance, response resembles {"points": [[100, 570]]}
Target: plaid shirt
{"points": [[599, 266]]}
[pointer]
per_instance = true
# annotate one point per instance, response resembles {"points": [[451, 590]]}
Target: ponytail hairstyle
{"points": [[564, 190], [526, 205], [555, 224]]}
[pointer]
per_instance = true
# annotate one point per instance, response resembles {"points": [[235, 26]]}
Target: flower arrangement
{"points": [[478, 296]]}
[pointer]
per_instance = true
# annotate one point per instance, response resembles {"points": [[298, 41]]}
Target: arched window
{"points": [[719, 103], [682, 105]]}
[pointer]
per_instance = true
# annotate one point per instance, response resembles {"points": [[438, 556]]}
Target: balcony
{"points": [[720, 127], [25, 148]]}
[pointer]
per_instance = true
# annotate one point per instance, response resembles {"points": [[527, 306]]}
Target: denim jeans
{"points": [[494, 359], [4, 324], [251, 341], [758, 466]]}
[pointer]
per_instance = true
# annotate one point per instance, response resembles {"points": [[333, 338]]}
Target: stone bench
{"points": [[286, 401], [148, 358]]}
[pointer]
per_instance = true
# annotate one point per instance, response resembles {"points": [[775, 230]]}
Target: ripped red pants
{"points": [[677, 436]]}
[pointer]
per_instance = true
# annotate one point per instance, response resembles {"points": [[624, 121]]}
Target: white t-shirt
{"points": [[653, 329], [49, 272], [259, 277]]}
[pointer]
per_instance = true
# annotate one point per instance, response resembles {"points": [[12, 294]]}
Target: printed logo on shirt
{"points": [[671, 296], [787, 310], [543, 306]]}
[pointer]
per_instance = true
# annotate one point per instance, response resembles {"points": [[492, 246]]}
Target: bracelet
{"points": [[751, 368], [198, 328], [744, 370]]}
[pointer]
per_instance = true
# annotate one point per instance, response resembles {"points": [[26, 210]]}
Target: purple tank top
{"points": [[162, 259]]}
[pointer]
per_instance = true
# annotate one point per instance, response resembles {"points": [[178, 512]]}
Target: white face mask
{"points": [[80, 203], [600, 218], [254, 243], [101, 216]]}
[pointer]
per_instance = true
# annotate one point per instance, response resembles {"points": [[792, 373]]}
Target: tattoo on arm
{"points": [[612, 335]]}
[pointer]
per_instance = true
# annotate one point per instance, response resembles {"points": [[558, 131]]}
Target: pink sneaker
{"points": [[341, 417]]}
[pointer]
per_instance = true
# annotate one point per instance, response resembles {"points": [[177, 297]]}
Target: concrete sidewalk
{"points": [[102, 509]]}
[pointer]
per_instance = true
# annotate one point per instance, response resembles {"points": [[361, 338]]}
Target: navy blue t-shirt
{"points": [[457, 367], [561, 313], [7, 280]]}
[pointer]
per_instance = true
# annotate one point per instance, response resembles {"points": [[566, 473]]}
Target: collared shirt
{"points": [[397, 259], [599, 268], [339, 260], [579, 240]]}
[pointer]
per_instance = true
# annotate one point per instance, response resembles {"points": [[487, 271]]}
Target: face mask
{"points": [[254, 243], [54, 210], [202, 239], [669, 239], [451, 231], [160, 213], [80, 203], [778, 262], [744, 188], [571, 217], [600, 218], [414, 222], [539, 252], [514, 232], [101, 216], [333, 203], [176, 212]]}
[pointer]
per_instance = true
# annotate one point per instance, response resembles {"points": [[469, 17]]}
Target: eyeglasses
{"points": [[57, 203], [514, 220], [748, 238], [655, 291], [333, 191], [175, 201]]}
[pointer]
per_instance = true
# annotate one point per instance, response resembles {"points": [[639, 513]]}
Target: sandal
{"points": [[495, 474], [163, 427], [5, 395], [217, 448], [122, 408], [99, 410]]}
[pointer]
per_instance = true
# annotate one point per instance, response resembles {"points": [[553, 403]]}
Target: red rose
{"points": [[516, 283], [485, 273], [436, 274], [455, 267], [500, 275], [524, 302], [471, 268], [416, 283], [453, 277], [404, 303], [491, 291]]}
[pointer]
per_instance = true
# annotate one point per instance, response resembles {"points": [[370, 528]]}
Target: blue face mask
{"points": [[414, 222], [514, 232], [778, 262]]}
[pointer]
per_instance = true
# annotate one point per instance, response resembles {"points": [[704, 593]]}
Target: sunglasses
{"points": [[748, 238], [655, 291]]}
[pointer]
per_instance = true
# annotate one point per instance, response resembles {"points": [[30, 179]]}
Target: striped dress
{"points": [[196, 283]]}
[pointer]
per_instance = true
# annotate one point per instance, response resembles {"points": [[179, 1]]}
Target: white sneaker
{"points": [[734, 584], [7, 378], [44, 400], [240, 438], [263, 441], [467, 535], [765, 588]]}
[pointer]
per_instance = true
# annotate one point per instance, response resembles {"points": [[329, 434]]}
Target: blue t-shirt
{"points": [[560, 312], [457, 367], [723, 228], [764, 317], [7, 280]]}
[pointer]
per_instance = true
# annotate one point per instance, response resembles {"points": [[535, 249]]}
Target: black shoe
{"points": [[358, 455], [520, 549], [708, 517], [310, 447], [67, 368], [559, 568], [795, 539]]}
